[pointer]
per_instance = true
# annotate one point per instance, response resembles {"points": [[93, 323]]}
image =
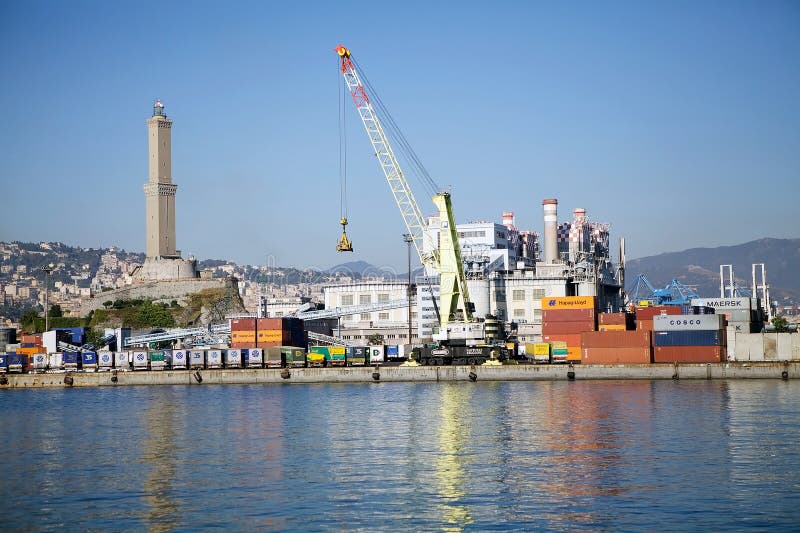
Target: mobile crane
{"points": [[457, 325]]}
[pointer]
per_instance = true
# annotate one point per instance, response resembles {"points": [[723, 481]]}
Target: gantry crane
{"points": [[453, 292]]}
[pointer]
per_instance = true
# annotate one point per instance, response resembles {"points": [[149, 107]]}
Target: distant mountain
{"points": [[699, 267]]}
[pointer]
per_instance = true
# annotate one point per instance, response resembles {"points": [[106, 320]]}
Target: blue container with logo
{"points": [[71, 360], [89, 360], [3, 363], [16, 362]]}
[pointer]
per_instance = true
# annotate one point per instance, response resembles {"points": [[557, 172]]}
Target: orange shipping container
{"points": [[568, 302], [622, 356], [615, 339], [689, 354], [573, 340], [568, 315], [243, 324], [647, 313], [574, 354], [556, 328], [611, 327], [243, 336], [644, 325], [615, 319]]}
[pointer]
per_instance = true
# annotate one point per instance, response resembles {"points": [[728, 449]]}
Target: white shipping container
{"points": [[214, 359], [56, 361], [197, 358], [105, 360], [122, 360], [140, 360], [40, 361], [724, 304], [687, 322], [255, 357], [233, 358], [49, 342], [376, 354], [179, 359]]}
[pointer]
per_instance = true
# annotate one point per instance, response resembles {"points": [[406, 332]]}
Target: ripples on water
{"points": [[702, 455]]}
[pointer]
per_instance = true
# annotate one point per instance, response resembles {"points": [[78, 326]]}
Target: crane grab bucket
{"points": [[344, 244]]}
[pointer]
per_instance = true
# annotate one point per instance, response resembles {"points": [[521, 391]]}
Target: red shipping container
{"points": [[644, 325], [549, 328], [611, 319], [641, 355], [647, 313], [34, 340], [689, 354], [615, 339], [243, 324], [568, 315], [573, 339]]}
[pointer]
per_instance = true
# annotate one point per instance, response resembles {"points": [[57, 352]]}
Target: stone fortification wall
{"points": [[171, 289]]}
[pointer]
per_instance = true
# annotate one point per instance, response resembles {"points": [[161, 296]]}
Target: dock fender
{"points": [[285, 374], [197, 376], [571, 372], [472, 375]]}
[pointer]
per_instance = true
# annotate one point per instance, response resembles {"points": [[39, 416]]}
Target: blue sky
{"points": [[676, 122]]}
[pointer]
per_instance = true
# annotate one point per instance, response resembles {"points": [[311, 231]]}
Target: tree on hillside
{"points": [[56, 311], [150, 315]]}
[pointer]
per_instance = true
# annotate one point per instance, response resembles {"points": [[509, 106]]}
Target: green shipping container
{"points": [[293, 356], [157, 356]]}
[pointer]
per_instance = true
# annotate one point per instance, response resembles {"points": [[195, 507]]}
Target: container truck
{"points": [[39, 362], [140, 360], [16, 362], [253, 357], [214, 359], [70, 360], [334, 355], [233, 358], [56, 362], [3, 363], [158, 359], [376, 355], [89, 361], [293, 356], [122, 360], [315, 358], [197, 359], [178, 360], [356, 355], [275, 357], [105, 361]]}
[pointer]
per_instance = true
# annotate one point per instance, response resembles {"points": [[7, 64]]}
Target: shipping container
{"points": [[158, 359], [539, 352], [275, 357], [232, 358], [243, 336], [644, 325], [314, 359], [3, 363], [572, 339], [39, 361], [612, 327], [559, 328], [197, 359], [336, 356], [122, 360], [737, 315], [723, 305], [647, 313], [392, 353], [574, 354], [214, 359], [71, 360], [689, 354], [569, 315], [253, 357], [179, 360], [356, 355], [56, 361], [630, 355], [294, 356], [569, 302], [89, 361], [140, 360], [689, 338], [243, 324], [376, 355], [614, 319], [615, 339], [688, 322], [105, 360], [16, 362]]}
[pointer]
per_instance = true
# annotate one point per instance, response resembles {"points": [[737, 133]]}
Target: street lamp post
{"points": [[47, 270], [408, 240]]}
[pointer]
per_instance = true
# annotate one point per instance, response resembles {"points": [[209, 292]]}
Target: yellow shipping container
{"points": [[559, 345], [568, 302], [243, 336], [573, 353], [612, 327], [538, 348]]}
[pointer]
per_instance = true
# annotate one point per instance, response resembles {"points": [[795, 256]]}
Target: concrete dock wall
{"points": [[766, 370]]}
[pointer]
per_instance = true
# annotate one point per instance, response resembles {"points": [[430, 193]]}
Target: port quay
{"points": [[733, 370]]}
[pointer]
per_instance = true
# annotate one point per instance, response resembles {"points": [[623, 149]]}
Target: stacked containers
{"points": [[243, 332], [284, 331], [564, 319], [616, 347], [739, 314], [615, 322], [644, 315], [689, 339]]}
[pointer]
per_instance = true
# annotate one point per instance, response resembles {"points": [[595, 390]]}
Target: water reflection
{"points": [[158, 452], [450, 461]]}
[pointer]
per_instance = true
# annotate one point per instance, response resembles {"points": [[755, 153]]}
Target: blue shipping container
{"points": [[392, 351], [688, 338], [89, 358], [70, 358], [3, 361], [17, 359]]}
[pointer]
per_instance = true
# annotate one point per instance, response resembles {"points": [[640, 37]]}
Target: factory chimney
{"points": [[550, 230], [508, 220]]}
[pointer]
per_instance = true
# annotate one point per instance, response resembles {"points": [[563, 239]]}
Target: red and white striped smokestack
{"points": [[550, 206], [508, 219]]}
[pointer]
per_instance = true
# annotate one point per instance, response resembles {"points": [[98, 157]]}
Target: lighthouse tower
{"points": [[163, 259]]}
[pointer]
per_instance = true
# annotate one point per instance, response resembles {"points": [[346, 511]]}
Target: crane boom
{"points": [[409, 209], [444, 258]]}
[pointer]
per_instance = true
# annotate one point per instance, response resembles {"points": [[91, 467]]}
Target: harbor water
{"points": [[554, 455]]}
